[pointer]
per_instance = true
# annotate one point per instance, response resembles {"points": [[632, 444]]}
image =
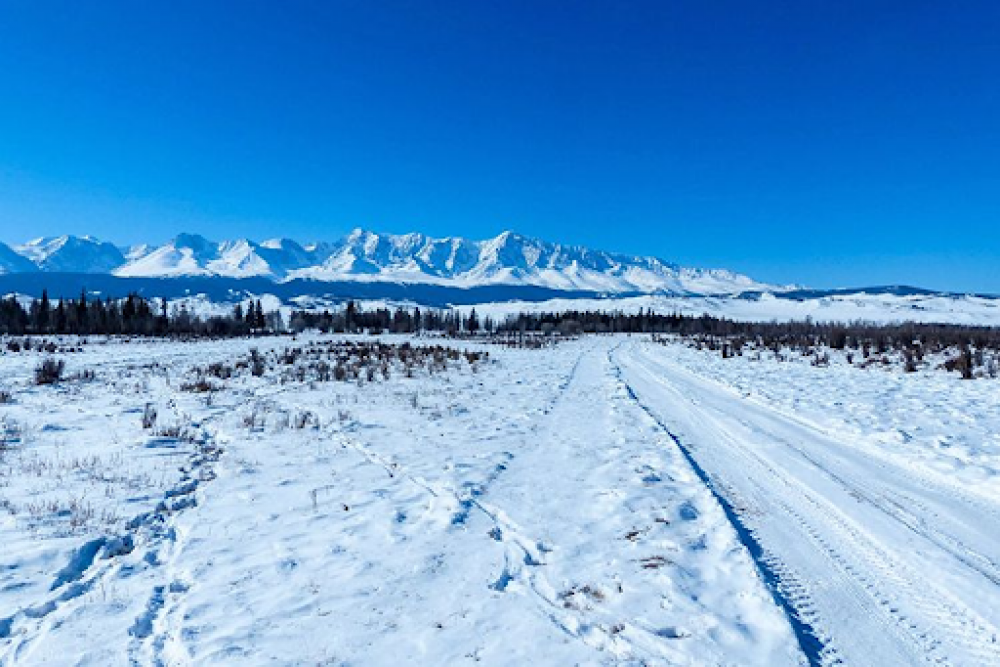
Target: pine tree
{"points": [[351, 315], [250, 318], [60, 318], [260, 321], [42, 319]]}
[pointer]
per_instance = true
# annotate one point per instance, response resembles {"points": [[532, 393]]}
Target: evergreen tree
{"points": [[472, 323], [43, 313], [260, 322], [351, 316]]}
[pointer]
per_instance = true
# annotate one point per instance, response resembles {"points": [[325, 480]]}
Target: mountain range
{"points": [[364, 256]]}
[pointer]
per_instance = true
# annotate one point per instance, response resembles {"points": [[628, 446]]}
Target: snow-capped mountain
{"points": [[364, 256], [12, 262], [72, 254], [193, 255], [512, 259]]}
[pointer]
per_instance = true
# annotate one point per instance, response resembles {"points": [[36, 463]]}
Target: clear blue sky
{"points": [[827, 143]]}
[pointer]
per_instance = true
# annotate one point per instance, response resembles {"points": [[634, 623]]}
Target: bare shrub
{"points": [[50, 371], [219, 370], [86, 375], [256, 419], [177, 432], [305, 419], [149, 416], [257, 365], [199, 386]]}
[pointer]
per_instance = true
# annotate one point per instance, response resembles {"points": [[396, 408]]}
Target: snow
{"points": [[508, 259], [71, 254], [12, 262], [422, 514], [861, 306], [878, 309], [888, 547], [605, 500]]}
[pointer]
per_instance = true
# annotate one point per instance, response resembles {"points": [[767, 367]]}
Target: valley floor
{"points": [[608, 500]]}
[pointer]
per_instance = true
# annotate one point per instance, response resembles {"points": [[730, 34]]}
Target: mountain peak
{"points": [[71, 254], [506, 259], [193, 241]]}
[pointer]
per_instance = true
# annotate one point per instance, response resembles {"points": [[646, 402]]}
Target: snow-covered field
{"points": [[607, 500], [855, 307]]}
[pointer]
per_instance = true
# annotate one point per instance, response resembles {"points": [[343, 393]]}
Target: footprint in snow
{"points": [[688, 512]]}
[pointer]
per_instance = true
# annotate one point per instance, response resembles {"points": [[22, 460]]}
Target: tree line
{"points": [[136, 315], [132, 316], [352, 319], [805, 333]]}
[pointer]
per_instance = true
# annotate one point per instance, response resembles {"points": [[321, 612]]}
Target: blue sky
{"points": [[825, 143]]}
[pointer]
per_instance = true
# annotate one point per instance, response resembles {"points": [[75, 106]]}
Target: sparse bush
{"points": [[219, 370], [86, 375], [257, 365], [199, 386], [50, 371], [177, 432], [256, 419], [305, 419]]}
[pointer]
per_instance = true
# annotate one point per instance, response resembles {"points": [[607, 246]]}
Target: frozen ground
{"points": [[609, 500]]}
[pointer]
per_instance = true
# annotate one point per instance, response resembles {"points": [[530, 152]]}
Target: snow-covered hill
{"points": [[508, 259]]}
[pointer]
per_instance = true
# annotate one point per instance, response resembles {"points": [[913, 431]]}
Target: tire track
{"points": [[814, 646], [526, 557], [936, 625]]}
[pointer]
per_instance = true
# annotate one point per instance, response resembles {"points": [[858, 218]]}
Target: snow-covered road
{"points": [[880, 562]]}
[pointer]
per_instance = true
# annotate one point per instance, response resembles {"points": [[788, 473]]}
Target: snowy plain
{"points": [[854, 307], [608, 500]]}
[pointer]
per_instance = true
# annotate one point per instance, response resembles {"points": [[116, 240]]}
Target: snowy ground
{"points": [[876, 308], [608, 500]]}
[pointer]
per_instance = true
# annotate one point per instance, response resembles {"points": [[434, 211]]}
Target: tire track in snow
{"points": [[909, 607], [812, 644], [972, 559], [922, 478], [525, 557], [985, 565]]}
